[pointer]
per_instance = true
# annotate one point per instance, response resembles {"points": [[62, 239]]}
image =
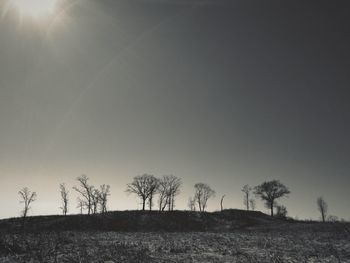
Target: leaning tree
{"points": [[270, 191], [27, 197], [322, 207], [86, 192]]}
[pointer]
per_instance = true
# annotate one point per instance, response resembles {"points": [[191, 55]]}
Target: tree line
{"points": [[162, 192]]}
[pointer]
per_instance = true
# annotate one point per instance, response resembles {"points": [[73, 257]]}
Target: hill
{"points": [[177, 236], [143, 221]]}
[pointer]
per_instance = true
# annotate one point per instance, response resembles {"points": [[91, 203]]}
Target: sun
{"points": [[35, 8]]}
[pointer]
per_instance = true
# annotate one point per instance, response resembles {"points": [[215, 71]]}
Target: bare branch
{"points": [[27, 197]]}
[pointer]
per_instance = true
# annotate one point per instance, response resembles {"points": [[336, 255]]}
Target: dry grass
{"points": [[292, 243]]}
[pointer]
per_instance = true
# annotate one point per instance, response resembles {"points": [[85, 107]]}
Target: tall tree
{"points": [[103, 198], [86, 191], [202, 194], [246, 190], [252, 204], [141, 186], [64, 198], [191, 204], [152, 188], [163, 193], [173, 190], [95, 200], [81, 205], [168, 188], [270, 191], [281, 211], [27, 197], [322, 207]]}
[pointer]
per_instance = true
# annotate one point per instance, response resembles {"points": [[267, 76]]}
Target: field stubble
{"points": [[299, 243]]}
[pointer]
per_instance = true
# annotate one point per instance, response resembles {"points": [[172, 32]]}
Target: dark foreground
{"points": [[277, 241]]}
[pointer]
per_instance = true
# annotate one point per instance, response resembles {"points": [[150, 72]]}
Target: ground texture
{"points": [[292, 242]]}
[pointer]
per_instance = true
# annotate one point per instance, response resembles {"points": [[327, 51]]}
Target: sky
{"points": [[222, 92]]}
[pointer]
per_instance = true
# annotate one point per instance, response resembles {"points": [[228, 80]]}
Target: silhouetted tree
{"points": [[191, 204], [281, 211], [246, 190], [141, 186], [95, 200], [322, 207], [103, 198], [153, 188], [202, 193], [163, 193], [86, 191], [221, 203], [270, 191], [173, 190], [64, 197], [168, 188], [252, 204], [81, 205], [27, 197]]}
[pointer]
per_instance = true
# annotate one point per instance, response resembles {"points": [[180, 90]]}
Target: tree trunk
{"points": [[143, 204], [247, 201], [160, 204], [172, 203], [150, 203], [222, 199], [272, 209]]}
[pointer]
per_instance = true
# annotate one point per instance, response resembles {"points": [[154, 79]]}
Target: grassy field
{"points": [[277, 242]]}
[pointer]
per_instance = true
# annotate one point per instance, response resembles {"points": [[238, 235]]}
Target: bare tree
{"points": [[81, 205], [141, 186], [202, 193], [163, 193], [152, 188], [173, 190], [252, 204], [246, 190], [95, 200], [281, 211], [104, 193], [64, 197], [191, 204], [221, 202], [86, 191], [168, 188], [27, 197], [270, 191], [322, 207]]}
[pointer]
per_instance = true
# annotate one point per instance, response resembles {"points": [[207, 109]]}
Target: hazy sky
{"points": [[222, 92]]}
